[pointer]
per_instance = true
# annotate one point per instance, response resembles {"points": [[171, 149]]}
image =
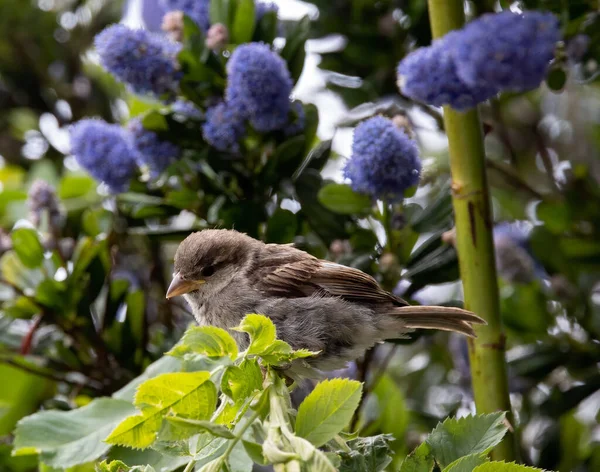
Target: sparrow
{"points": [[335, 310]]}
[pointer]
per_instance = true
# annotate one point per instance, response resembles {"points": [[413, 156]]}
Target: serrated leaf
{"points": [[161, 366], [206, 340], [501, 466], [466, 463], [456, 438], [119, 466], [67, 438], [137, 431], [261, 331], [187, 394], [340, 198], [327, 410], [27, 245], [372, 454], [420, 460], [239, 382]]}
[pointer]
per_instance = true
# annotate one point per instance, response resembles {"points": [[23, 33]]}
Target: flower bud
{"points": [[217, 36], [172, 24], [42, 199]]}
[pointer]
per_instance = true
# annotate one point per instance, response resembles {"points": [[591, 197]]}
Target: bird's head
{"points": [[207, 261]]}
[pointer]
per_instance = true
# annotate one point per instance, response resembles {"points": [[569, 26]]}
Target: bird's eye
{"points": [[208, 271]]}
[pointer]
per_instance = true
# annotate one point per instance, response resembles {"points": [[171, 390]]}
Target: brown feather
{"points": [[286, 271]]}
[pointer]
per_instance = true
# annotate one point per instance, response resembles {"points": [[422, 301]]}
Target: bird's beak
{"points": [[179, 286]]}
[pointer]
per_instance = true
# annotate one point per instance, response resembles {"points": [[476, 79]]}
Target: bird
{"points": [[315, 304]]}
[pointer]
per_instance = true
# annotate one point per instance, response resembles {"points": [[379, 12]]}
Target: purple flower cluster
{"points": [[385, 161], [151, 151], [496, 52], [441, 86], [197, 10], [259, 86], [224, 127], [145, 61], [105, 151]]}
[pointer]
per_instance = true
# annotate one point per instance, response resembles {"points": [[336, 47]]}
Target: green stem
{"points": [[470, 196], [386, 217], [240, 434], [190, 466]]}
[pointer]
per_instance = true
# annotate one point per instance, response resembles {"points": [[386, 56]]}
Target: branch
{"points": [[470, 197]]}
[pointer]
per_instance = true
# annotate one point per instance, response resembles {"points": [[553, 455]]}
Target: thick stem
{"points": [[475, 243]]}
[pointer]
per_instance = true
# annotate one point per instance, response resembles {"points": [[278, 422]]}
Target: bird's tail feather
{"points": [[438, 317]]}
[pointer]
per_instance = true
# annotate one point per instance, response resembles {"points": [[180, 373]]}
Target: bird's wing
{"points": [[288, 272]]}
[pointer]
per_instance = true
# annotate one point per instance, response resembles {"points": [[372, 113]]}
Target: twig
{"points": [[26, 342], [48, 375], [546, 160], [363, 370], [512, 178], [382, 368]]}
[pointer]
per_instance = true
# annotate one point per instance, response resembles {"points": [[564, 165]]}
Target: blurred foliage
{"points": [[83, 310]]}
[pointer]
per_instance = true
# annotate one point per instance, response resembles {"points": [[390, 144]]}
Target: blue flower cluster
{"points": [[143, 60], [224, 127], [507, 50], [440, 86], [514, 259], [496, 52], [385, 161], [105, 151], [259, 86], [197, 10], [151, 151]]}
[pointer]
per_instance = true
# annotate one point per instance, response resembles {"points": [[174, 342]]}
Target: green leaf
{"points": [[28, 247], [187, 394], [118, 466], [456, 438], [466, 463], [161, 366], [261, 331], [14, 271], [21, 394], [187, 428], [208, 341], [501, 466], [372, 454], [392, 411], [327, 410], [281, 227], [73, 186], [240, 382], [420, 460], [64, 439], [160, 462], [294, 51], [243, 22], [316, 158], [155, 121], [340, 198], [220, 12], [266, 28]]}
